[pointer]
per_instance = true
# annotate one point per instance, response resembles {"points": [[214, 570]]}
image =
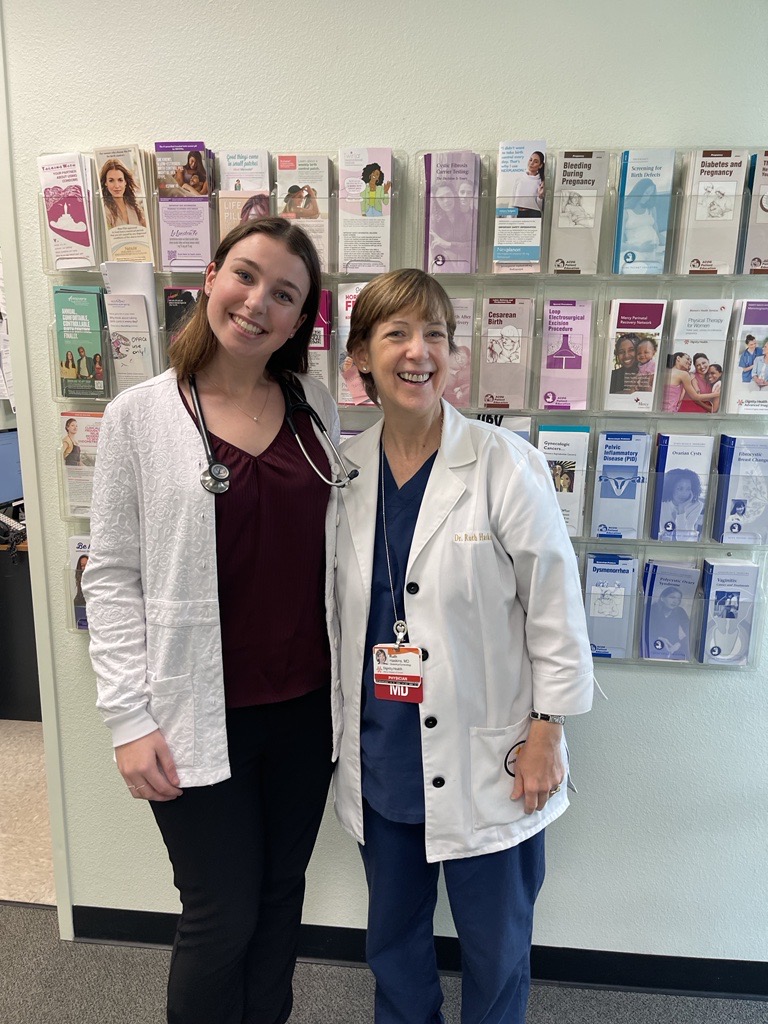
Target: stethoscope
{"points": [[216, 477]]}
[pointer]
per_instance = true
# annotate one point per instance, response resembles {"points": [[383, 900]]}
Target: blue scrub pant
{"points": [[491, 898]]}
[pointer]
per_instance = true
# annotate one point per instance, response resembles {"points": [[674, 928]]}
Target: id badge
{"points": [[397, 673]]}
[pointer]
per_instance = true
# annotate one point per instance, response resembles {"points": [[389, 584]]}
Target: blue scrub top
{"points": [[390, 731]]}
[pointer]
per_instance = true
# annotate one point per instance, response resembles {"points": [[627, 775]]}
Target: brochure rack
{"points": [[528, 400]]}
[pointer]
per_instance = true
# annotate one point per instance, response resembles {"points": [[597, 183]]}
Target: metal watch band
{"points": [[539, 716]]}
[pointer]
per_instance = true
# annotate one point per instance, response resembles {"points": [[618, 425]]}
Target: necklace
{"points": [[243, 411]]}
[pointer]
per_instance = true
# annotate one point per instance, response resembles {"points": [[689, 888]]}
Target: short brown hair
{"points": [[389, 294], [195, 345]]}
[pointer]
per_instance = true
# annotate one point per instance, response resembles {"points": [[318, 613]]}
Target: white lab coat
{"points": [[151, 584], [500, 612]]}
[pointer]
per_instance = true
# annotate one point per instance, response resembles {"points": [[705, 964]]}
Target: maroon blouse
{"points": [[270, 551]]}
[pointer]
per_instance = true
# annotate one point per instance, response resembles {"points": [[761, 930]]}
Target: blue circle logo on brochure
{"points": [[511, 757], [630, 257], [715, 651]]}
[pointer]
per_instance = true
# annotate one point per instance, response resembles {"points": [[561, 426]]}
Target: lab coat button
{"points": [[438, 782], [412, 588], [424, 653], [338, 520], [430, 722], [335, 467]]}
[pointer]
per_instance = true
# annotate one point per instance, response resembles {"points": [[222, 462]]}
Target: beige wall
{"points": [[664, 850]]}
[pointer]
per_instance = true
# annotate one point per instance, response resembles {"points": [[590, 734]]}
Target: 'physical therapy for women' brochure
{"points": [[683, 467], [565, 354], [504, 354], [610, 593], [634, 342], [66, 188], [520, 193], [125, 204], [642, 219], [303, 183], [451, 207], [748, 392], [621, 481], [184, 186], [244, 187], [365, 213], [695, 368], [710, 212], [577, 213]]}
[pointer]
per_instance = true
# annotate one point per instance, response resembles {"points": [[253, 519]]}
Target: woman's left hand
{"points": [[539, 766]]}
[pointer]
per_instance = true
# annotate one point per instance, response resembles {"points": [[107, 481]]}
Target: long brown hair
{"points": [[389, 294], [195, 345]]}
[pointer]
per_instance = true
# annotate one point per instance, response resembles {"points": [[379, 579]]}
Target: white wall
{"points": [[664, 850]]}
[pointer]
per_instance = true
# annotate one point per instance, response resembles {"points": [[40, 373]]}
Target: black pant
{"points": [[239, 851]]}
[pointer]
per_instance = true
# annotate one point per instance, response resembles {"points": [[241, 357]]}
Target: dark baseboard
{"points": [[593, 967]]}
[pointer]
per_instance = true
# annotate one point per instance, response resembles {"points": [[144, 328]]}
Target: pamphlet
{"points": [[642, 221], [520, 195], [565, 354], [452, 190], [579, 196], [365, 212], [124, 204], [504, 353]]}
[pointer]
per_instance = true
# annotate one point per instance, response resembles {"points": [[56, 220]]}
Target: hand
{"points": [[387, 187], [148, 769], [539, 767]]}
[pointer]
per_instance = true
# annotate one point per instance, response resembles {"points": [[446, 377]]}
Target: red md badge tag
{"points": [[397, 673]]}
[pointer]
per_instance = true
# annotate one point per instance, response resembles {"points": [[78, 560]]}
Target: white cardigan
{"points": [[151, 583], [498, 606]]}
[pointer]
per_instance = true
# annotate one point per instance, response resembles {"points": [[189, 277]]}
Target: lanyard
{"points": [[400, 627]]}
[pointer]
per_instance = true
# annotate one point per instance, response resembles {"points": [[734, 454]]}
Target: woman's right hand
{"points": [[148, 769]]}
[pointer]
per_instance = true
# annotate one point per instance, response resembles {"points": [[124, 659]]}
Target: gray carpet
{"points": [[46, 981]]}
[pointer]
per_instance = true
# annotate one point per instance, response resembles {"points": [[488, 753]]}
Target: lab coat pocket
{"points": [[172, 706], [492, 754]]}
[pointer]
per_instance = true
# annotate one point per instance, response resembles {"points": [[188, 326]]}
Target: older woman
{"points": [[453, 560]]}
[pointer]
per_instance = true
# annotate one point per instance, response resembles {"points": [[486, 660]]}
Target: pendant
{"points": [[401, 628]]}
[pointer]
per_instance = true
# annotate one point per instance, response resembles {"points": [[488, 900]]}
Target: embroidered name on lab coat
{"points": [[469, 538]]}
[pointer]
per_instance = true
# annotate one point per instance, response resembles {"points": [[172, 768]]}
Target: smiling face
{"points": [[701, 365], [713, 374], [115, 183], [682, 492], [408, 360], [255, 298], [375, 175], [534, 163], [645, 352], [625, 353]]}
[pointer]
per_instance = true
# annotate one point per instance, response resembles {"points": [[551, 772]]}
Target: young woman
{"points": [[529, 187], [210, 600], [451, 540]]}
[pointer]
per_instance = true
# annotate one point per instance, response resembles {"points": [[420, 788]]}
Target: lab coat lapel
{"points": [[360, 501]]}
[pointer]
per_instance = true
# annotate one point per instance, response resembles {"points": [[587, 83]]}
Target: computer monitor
{"points": [[10, 468]]}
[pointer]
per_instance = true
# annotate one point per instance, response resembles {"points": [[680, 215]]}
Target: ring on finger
{"points": [[142, 786], [555, 790]]}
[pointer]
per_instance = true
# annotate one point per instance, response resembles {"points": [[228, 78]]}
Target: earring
{"points": [[363, 369]]}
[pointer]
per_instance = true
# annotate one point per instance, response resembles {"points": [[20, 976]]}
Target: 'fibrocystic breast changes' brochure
{"points": [[741, 506]]}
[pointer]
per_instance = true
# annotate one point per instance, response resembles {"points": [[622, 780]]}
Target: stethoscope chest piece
{"points": [[215, 478]]}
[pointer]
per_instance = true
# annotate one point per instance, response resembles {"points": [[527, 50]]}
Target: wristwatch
{"points": [[539, 716]]}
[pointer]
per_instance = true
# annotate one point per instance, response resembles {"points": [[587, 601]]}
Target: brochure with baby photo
{"points": [[79, 440], [710, 211], [610, 594], [79, 324], [458, 389], [566, 450], [577, 211], [520, 195], [730, 593], [184, 185], [669, 590], [129, 340], [642, 220], [124, 204], [244, 188], [741, 506], [67, 210], [79, 549], [621, 482], [507, 330], [451, 208], [350, 384], [564, 376], [303, 184], [755, 256], [694, 374], [365, 210], [748, 393], [683, 467], [634, 340]]}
